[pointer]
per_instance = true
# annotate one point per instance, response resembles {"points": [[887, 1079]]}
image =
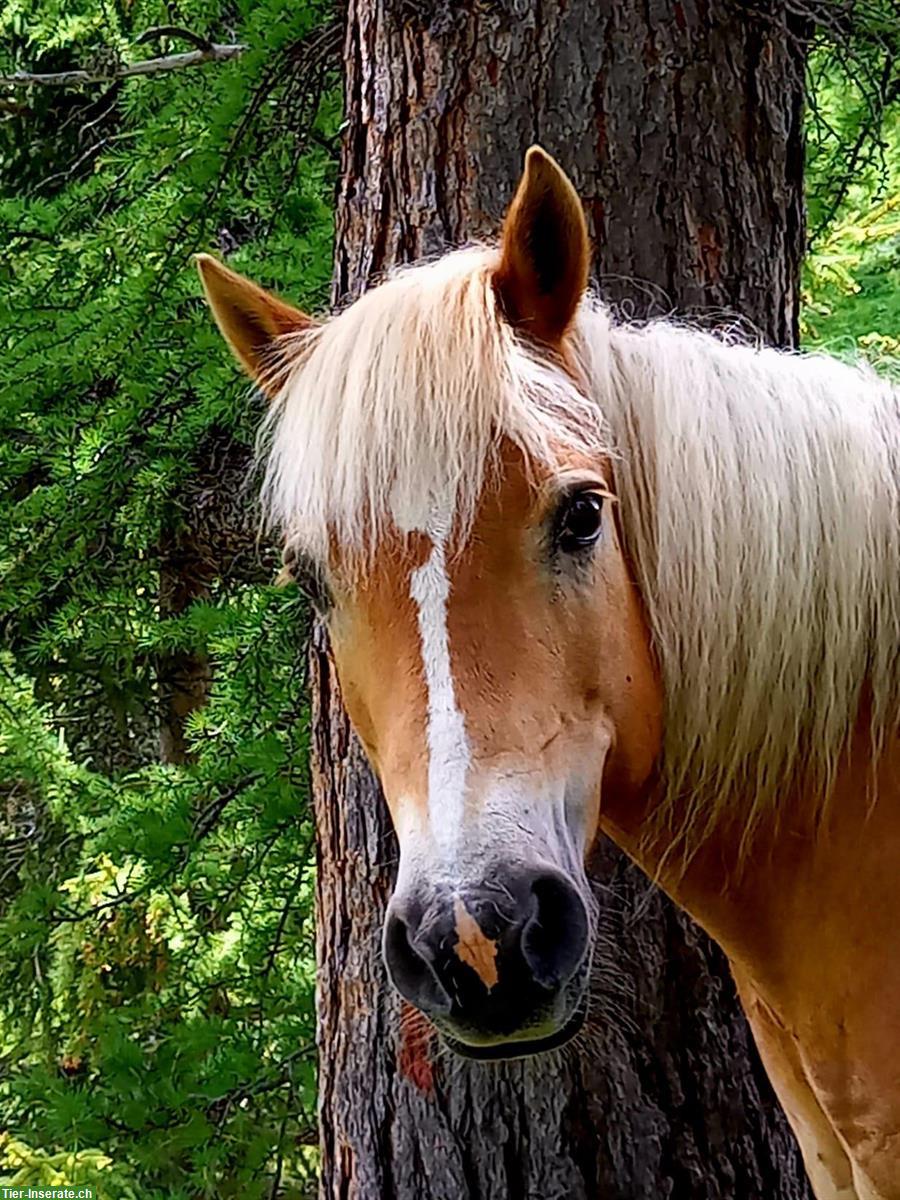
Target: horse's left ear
{"points": [[250, 318], [545, 252]]}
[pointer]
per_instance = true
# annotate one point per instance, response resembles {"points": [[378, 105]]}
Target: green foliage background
{"points": [[852, 273], [156, 953]]}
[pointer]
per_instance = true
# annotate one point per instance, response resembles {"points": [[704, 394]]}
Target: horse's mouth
{"points": [[526, 1048]]}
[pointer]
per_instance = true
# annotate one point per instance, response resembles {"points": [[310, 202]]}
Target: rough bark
{"points": [[681, 126]]}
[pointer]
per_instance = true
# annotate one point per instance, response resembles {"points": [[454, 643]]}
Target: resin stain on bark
{"points": [[414, 1057]]}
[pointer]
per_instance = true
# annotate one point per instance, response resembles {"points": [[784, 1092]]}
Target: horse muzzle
{"points": [[501, 967]]}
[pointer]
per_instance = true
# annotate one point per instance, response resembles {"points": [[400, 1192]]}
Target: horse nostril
{"points": [[555, 937], [411, 973], [487, 968]]}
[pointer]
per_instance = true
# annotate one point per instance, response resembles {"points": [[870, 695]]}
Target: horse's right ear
{"points": [[544, 251], [250, 318]]}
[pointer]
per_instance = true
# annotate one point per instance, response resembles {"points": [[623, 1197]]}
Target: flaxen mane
{"points": [[394, 408], [759, 496]]}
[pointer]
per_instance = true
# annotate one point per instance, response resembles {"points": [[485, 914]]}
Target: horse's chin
{"points": [[520, 1048]]}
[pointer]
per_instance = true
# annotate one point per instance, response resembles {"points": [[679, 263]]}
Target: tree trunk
{"points": [[680, 124], [211, 542], [183, 677]]}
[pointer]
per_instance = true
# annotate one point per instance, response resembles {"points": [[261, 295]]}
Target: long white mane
{"points": [[759, 497], [395, 407]]}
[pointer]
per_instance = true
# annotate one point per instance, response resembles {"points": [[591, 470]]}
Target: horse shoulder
{"points": [[824, 1013], [827, 1163]]}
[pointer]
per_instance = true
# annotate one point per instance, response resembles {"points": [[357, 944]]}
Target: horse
{"points": [[585, 575]]}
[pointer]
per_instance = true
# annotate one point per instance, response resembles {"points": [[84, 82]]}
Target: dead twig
{"points": [[213, 52]]}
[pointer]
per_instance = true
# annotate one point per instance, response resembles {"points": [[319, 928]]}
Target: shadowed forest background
{"points": [[157, 964]]}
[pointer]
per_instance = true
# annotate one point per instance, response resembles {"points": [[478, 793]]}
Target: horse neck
{"points": [[766, 584], [810, 874]]}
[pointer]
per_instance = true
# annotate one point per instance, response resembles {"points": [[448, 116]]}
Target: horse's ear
{"points": [[250, 318], [545, 252]]}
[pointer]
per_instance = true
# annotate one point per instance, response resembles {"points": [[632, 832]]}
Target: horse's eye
{"points": [[579, 521]]}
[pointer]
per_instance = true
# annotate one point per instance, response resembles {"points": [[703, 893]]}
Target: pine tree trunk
{"points": [[183, 676], [680, 124]]}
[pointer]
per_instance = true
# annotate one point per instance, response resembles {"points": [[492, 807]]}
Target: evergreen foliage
{"points": [[156, 970], [156, 952], [852, 274]]}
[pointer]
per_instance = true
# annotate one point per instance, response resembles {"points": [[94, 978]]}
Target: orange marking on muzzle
{"points": [[474, 947]]}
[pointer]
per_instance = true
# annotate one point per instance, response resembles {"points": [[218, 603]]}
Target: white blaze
{"points": [[448, 747]]}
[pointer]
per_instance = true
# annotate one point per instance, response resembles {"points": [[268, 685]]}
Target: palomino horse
{"points": [[585, 576]]}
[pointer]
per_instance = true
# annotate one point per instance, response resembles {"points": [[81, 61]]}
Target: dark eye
{"points": [[579, 521]]}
